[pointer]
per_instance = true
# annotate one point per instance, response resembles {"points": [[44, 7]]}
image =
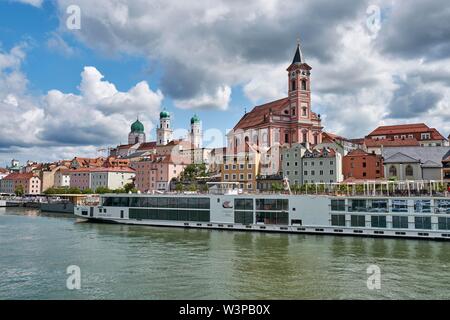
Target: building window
{"points": [[303, 85], [409, 172], [293, 85], [392, 171], [286, 138]]}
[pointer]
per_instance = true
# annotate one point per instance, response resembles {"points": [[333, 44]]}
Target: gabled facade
{"points": [[362, 165], [426, 136], [286, 121], [322, 166], [414, 163]]}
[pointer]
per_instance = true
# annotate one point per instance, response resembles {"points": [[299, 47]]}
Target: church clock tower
{"points": [[299, 87]]}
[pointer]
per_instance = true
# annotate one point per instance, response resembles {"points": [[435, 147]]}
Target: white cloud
{"points": [[219, 100], [99, 115]]}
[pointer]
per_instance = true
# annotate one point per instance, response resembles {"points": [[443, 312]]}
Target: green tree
{"points": [[129, 187], [276, 186], [88, 191], [193, 187], [19, 191], [179, 187], [193, 171], [102, 190]]}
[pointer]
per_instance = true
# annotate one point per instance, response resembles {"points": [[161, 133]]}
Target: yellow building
{"points": [[242, 168]]}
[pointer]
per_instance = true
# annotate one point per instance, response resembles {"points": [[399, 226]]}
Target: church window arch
{"points": [[392, 171], [409, 171]]}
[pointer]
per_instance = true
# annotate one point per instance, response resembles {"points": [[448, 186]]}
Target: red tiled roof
{"points": [[357, 152], [147, 146], [3, 170], [256, 116], [405, 129], [407, 142], [103, 169], [19, 176]]}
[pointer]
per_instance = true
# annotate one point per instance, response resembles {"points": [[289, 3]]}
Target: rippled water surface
{"points": [[135, 262]]}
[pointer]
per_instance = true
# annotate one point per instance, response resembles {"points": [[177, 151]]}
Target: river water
{"points": [[138, 262]]}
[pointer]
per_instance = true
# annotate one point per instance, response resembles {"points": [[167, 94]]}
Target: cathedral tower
{"points": [[196, 132], [137, 134], [164, 131]]}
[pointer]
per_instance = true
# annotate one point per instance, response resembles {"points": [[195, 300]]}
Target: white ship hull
{"points": [[410, 217]]}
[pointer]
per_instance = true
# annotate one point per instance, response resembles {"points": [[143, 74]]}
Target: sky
{"points": [[74, 74]]}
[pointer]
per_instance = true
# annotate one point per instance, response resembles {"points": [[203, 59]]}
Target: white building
{"points": [[291, 163], [322, 166], [62, 178], [111, 178]]}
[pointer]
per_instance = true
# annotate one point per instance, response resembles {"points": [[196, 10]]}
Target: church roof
{"points": [[195, 119], [257, 115], [137, 126], [298, 57], [164, 114], [428, 156]]}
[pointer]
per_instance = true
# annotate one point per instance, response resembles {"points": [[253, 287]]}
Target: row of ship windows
{"points": [[382, 205], [245, 217], [262, 204], [157, 202], [398, 222], [170, 214]]}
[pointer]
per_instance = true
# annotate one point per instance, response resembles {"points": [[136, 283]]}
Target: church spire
{"points": [[298, 58]]}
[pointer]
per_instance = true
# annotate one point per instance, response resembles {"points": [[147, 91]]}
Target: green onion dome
{"points": [[195, 119], [137, 126], [164, 114]]}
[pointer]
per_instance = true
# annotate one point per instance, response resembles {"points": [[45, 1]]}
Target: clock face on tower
{"points": [[292, 75]]}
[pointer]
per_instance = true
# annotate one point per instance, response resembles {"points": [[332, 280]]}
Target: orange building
{"points": [[156, 172], [359, 164], [30, 183]]}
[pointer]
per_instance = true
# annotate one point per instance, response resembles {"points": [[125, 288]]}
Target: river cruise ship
{"points": [[390, 212]]}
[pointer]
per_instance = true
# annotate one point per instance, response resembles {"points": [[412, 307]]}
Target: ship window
{"points": [[358, 205], [272, 204], [423, 223], [338, 220], [399, 206], [338, 205], [358, 221], [399, 222], [443, 206], [243, 217], [272, 217], [379, 205], [378, 221], [243, 204], [422, 206], [170, 214], [443, 223]]}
